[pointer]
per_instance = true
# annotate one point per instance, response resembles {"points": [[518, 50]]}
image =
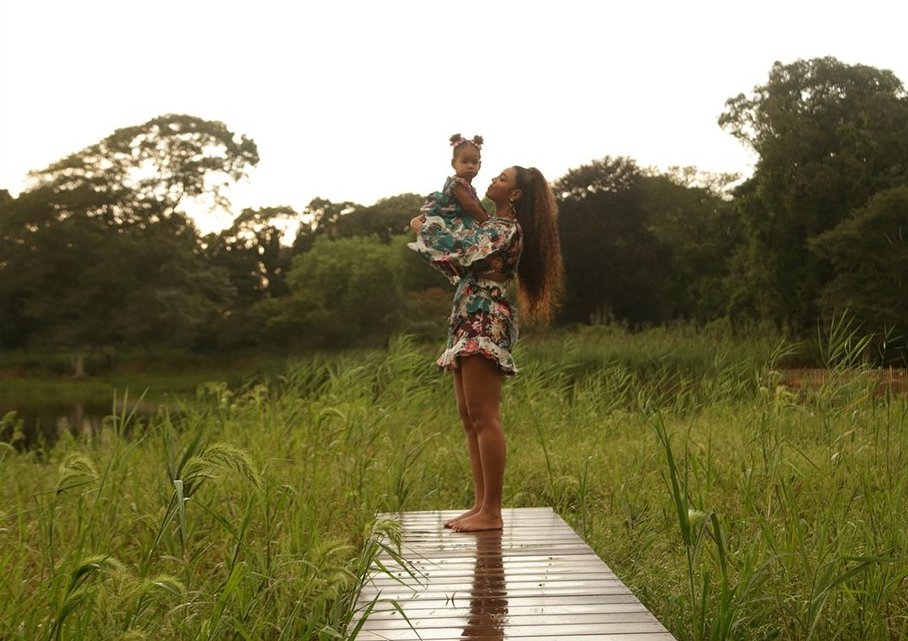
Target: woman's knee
{"points": [[481, 421], [477, 419], [464, 416]]}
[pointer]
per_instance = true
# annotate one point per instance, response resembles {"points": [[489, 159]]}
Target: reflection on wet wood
{"points": [[535, 580]]}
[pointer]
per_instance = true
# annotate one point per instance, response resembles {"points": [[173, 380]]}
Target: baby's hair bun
{"points": [[457, 140]]}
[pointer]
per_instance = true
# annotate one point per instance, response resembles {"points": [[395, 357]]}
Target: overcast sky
{"points": [[354, 100]]}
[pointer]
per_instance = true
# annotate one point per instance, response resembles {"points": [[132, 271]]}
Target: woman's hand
{"points": [[416, 223]]}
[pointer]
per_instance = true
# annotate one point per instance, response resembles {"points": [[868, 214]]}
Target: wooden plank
{"points": [[535, 580]]}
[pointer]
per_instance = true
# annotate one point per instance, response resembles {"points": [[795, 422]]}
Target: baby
{"points": [[457, 206]]}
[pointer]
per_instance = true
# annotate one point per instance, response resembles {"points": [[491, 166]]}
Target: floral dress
{"points": [[443, 216], [483, 313]]}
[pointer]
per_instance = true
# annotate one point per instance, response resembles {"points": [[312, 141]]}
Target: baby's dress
{"points": [[483, 317], [443, 218]]}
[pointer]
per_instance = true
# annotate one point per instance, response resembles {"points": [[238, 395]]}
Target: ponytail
{"points": [[540, 271]]}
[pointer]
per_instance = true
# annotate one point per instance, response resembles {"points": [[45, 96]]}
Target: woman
{"points": [[519, 243]]}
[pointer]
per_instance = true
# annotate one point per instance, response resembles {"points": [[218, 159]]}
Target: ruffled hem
{"points": [[481, 346], [439, 262]]}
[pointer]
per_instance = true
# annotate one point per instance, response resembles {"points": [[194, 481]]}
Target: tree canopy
{"points": [[101, 250], [869, 255], [829, 136]]}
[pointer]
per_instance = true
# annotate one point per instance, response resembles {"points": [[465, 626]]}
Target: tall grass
{"points": [[734, 507]]}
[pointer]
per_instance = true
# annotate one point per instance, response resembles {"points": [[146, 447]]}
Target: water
{"points": [[43, 424]]}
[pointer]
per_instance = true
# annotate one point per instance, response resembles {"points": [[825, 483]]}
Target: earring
{"points": [[512, 207]]}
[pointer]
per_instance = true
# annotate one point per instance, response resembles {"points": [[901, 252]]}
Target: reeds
{"points": [[735, 507]]}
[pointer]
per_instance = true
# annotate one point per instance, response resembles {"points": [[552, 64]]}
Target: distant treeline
{"points": [[100, 251]]}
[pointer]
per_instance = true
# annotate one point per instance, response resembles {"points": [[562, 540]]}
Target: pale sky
{"points": [[354, 100]]}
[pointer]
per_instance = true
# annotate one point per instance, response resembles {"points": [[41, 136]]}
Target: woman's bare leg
{"points": [[480, 396], [472, 448]]}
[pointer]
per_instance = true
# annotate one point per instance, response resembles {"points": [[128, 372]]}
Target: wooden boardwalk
{"points": [[535, 580]]}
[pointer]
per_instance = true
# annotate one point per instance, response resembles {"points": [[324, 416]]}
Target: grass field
{"points": [[735, 507]]}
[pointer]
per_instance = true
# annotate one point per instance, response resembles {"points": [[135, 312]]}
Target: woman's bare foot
{"points": [[478, 522], [450, 522]]}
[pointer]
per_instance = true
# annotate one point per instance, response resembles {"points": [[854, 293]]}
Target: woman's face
{"points": [[503, 186]]}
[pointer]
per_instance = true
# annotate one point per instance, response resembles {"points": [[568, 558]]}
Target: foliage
{"points": [[385, 219], [100, 252], [829, 136], [869, 255], [697, 226], [614, 266], [149, 171], [343, 292], [321, 217], [252, 253], [642, 248]]}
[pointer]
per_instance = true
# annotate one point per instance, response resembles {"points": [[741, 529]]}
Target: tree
{"points": [[695, 223], [256, 260], [152, 171], [252, 251], [342, 292], [99, 251], [829, 136], [869, 255], [386, 218], [40, 273], [615, 268], [319, 218]]}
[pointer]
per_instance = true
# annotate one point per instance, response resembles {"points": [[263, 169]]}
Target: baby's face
{"points": [[467, 162]]}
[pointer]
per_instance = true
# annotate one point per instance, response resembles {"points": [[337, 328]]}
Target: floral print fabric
{"points": [[442, 203], [483, 317], [443, 218]]}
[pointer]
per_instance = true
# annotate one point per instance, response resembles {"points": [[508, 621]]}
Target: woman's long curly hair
{"points": [[540, 271]]}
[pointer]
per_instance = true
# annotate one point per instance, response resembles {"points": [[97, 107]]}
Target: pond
{"points": [[41, 424]]}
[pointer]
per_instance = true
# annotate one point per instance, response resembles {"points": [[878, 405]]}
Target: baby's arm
{"points": [[469, 204]]}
